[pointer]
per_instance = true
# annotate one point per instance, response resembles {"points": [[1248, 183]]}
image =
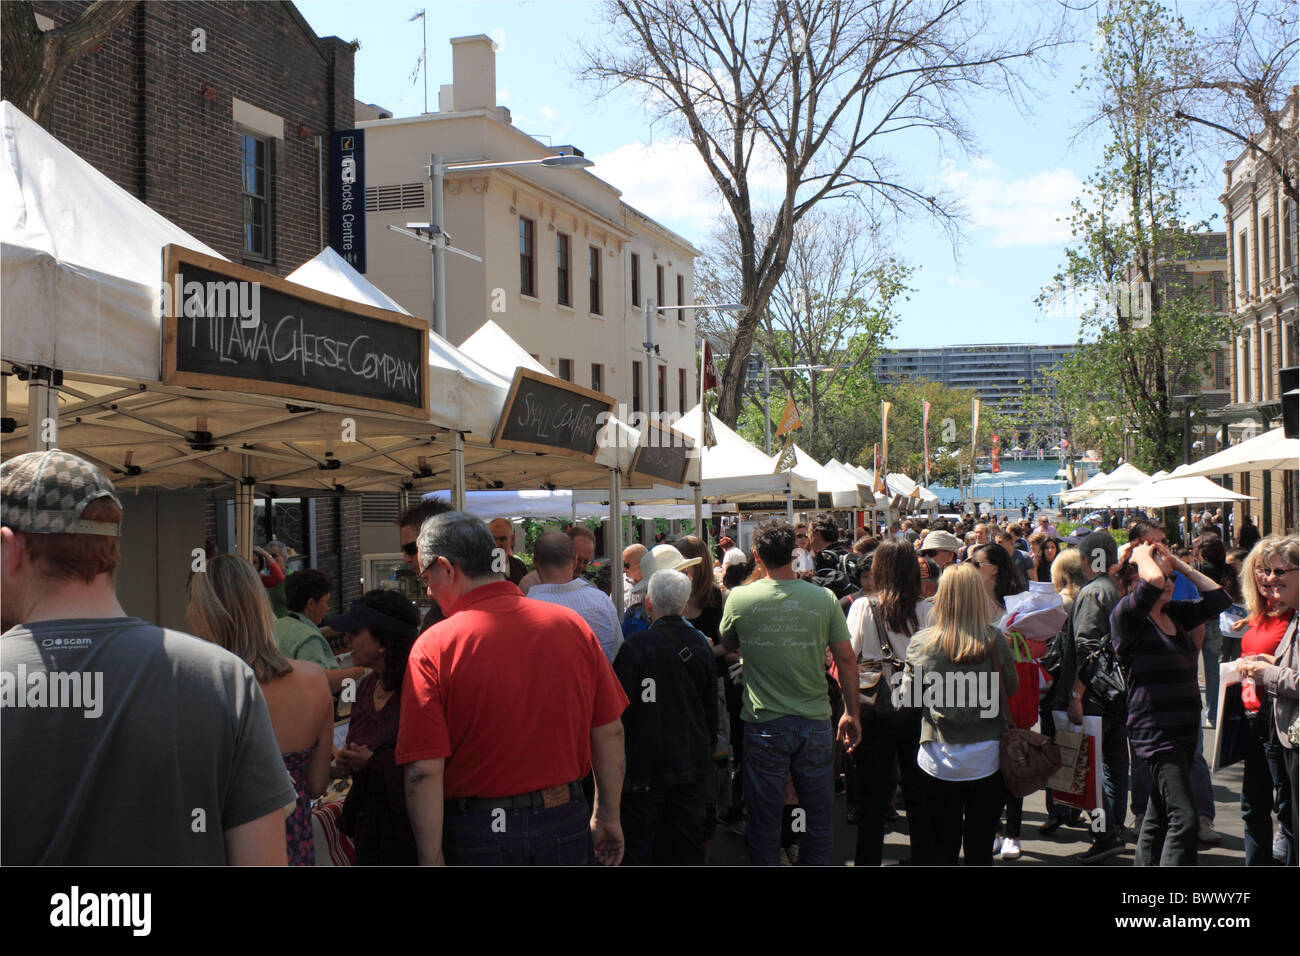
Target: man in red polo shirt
{"points": [[506, 705]]}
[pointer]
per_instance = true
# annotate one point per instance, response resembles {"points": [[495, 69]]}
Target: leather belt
{"points": [[556, 796]]}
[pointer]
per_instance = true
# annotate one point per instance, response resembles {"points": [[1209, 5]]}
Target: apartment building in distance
{"points": [[1262, 246], [993, 372], [568, 271]]}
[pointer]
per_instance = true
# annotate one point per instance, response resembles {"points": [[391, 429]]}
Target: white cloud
{"points": [[1029, 210], [667, 180]]}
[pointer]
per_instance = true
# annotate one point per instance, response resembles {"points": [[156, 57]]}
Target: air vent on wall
{"points": [[395, 198]]}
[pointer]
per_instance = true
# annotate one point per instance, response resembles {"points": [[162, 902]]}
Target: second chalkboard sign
{"points": [[662, 455], [547, 414]]}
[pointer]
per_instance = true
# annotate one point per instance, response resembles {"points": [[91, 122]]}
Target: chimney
{"points": [[473, 73]]}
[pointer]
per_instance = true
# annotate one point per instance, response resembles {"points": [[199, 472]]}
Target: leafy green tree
{"points": [[1152, 334]]}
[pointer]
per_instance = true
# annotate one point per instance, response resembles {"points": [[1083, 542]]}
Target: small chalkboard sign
{"points": [[663, 455], [547, 414], [229, 327]]}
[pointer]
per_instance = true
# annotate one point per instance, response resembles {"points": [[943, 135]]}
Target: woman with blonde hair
{"points": [[961, 655], [1268, 659], [229, 607]]}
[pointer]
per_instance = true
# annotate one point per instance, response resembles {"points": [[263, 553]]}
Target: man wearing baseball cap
{"points": [[123, 743]]}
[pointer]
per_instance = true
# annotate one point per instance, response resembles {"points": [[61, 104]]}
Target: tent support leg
{"points": [[245, 494], [789, 507], [43, 409], [457, 479], [698, 494], [614, 539]]}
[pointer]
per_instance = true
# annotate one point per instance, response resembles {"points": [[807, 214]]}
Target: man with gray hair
{"points": [[553, 558], [506, 705], [668, 675]]}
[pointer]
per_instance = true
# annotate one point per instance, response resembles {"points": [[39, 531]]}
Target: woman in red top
{"points": [[1268, 584]]}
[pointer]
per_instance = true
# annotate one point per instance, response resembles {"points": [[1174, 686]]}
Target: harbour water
{"points": [[1012, 484]]}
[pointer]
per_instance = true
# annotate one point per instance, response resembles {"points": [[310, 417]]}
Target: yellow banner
{"points": [[790, 419], [974, 429], [787, 459]]}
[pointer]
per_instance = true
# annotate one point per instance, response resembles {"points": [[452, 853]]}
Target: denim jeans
{"points": [[1202, 787], [559, 836], [805, 749], [1114, 775], [1168, 836], [1264, 773]]}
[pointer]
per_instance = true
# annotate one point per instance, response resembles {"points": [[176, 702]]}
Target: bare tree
{"points": [[35, 61], [817, 90], [1241, 85], [833, 306]]}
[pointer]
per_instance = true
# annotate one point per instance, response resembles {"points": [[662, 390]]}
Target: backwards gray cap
{"points": [[45, 492]]}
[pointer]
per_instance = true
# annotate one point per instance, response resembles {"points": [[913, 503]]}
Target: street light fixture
{"points": [[436, 236]]}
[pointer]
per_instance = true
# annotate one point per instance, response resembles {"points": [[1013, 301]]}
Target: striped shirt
{"points": [[1164, 700], [591, 604]]}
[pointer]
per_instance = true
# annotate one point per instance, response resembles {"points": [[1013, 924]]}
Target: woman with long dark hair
{"points": [[896, 608], [381, 627], [1045, 550]]}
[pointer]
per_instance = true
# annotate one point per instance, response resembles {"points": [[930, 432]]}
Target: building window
{"points": [[636, 279], [593, 278], [255, 153], [1286, 239], [1264, 248], [566, 369], [659, 289], [562, 269], [597, 377], [1216, 291], [527, 258], [1243, 269], [636, 386], [1220, 376], [681, 297], [681, 390], [1266, 368], [663, 388]]}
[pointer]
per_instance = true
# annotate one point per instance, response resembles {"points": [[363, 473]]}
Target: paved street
{"points": [[1057, 850]]}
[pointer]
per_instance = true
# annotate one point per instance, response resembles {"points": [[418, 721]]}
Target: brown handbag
{"points": [[876, 677], [1027, 758]]}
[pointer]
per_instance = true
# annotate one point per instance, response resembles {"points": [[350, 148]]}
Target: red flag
{"points": [[994, 466], [710, 371]]}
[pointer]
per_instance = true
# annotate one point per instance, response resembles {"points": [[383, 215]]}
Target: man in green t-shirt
{"points": [[783, 627], [307, 594]]}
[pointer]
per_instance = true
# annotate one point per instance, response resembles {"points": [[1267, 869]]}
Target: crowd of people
{"points": [[522, 721]]}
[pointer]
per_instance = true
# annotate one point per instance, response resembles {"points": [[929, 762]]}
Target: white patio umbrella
{"points": [[1179, 489], [1267, 452]]}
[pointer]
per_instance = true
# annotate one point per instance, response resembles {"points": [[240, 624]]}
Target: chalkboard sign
{"points": [[663, 455], [230, 327], [550, 415]]}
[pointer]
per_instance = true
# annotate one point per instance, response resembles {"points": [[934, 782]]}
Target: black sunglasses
{"points": [[412, 549]]}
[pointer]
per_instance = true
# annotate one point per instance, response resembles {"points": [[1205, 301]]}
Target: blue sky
{"points": [[1016, 189]]}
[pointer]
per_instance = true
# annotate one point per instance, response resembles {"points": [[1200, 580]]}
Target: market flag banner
{"points": [[708, 370], [994, 466], [925, 438], [787, 459], [974, 430], [790, 419], [348, 196], [879, 486], [229, 327], [884, 435]]}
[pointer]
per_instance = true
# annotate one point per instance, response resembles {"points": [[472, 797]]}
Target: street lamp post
{"points": [[435, 234]]}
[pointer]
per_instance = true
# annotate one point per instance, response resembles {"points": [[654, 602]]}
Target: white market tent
{"points": [[1080, 491], [865, 480], [1166, 491], [87, 305], [926, 499], [735, 468], [1267, 452], [1105, 490], [843, 491]]}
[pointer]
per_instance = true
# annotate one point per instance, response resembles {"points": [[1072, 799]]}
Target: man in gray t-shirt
{"points": [[121, 743]]}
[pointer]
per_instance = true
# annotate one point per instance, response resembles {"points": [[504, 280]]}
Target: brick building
{"points": [[218, 116]]}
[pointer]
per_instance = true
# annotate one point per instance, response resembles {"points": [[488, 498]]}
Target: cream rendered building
{"points": [[567, 269], [1262, 248]]}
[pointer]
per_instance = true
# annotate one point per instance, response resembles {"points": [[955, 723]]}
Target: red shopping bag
{"points": [[1024, 702]]}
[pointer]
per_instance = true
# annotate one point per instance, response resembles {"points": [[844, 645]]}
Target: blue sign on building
{"points": [[347, 175]]}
